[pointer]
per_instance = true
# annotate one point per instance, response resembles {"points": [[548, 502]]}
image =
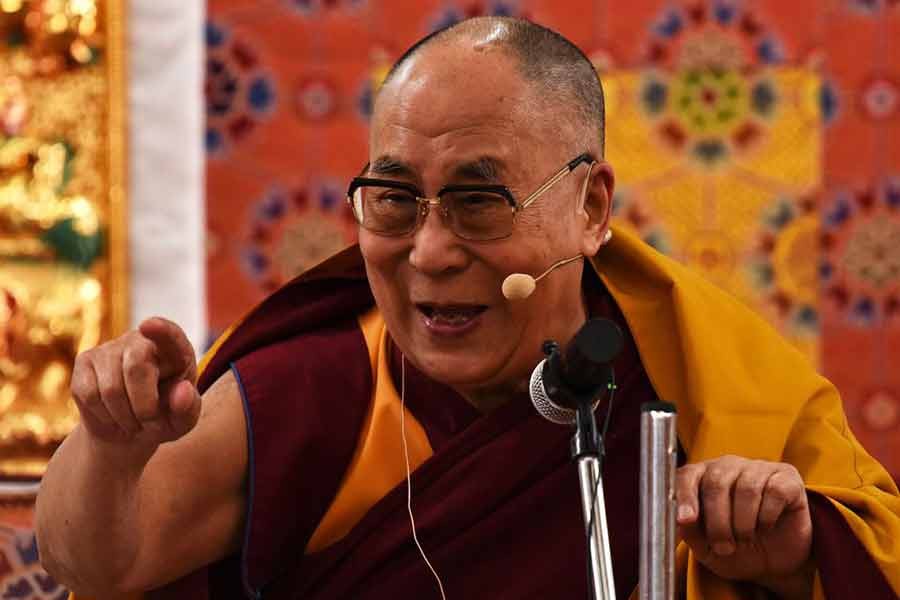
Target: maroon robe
{"points": [[497, 506]]}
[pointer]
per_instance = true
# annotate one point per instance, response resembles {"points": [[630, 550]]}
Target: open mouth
{"points": [[450, 315]]}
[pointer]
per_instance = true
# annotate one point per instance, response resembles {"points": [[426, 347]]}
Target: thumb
{"points": [[184, 403]]}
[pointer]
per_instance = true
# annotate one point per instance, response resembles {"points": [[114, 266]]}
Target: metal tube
{"points": [[594, 506], [659, 447]]}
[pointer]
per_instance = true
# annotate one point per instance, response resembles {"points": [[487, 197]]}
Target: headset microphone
{"points": [[519, 286]]}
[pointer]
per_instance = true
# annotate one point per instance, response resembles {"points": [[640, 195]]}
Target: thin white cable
{"points": [[412, 519]]}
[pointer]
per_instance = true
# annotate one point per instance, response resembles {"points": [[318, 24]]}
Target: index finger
{"points": [[173, 350]]}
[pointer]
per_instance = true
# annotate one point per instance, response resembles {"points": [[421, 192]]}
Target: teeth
{"points": [[452, 317]]}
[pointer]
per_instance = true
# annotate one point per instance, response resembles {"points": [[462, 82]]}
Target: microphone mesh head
{"points": [[518, 286], [546, 408]]}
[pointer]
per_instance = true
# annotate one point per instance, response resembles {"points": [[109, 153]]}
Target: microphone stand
{"points": [[585, 449], [586, 453]]}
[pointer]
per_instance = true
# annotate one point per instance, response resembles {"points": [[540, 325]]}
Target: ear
{"points": [[597, 207]]}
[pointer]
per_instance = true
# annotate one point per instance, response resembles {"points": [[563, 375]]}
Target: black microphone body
{"points": [[576, 375]]}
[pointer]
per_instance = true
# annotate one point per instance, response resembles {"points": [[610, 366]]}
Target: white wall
{"points": [[166, 200]]}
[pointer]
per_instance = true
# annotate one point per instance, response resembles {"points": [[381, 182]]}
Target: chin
{"points": [[463, 369]]}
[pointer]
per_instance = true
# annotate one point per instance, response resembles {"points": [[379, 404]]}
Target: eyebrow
{"points": [[484, 168], [388, 165]]}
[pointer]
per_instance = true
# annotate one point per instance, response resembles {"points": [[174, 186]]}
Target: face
{"points": [[436, 125]]}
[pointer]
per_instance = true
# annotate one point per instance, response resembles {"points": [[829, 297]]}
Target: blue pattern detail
{"points": [[769, 51], [46, 583], [864, 310], [892, 194], [502, 9], [272, 206], [807, 317], [670, 25], [329, 198], [724, 12], [654, 96], [763, 97], [826, 270], [839, 213], [28, 550], [20, 590], [255, 262], [449, 17], [781, 216], [261, 94], [364, 100], [213, 140], [828, 101], [215, 35]]}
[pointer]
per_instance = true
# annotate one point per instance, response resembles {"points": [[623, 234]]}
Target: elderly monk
{"points": [[281, 471]]}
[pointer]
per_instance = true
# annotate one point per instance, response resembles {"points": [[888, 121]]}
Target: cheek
{"points": [[384, 259]]}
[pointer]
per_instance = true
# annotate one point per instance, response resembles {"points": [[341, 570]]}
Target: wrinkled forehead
{"points": [[458, 99]]}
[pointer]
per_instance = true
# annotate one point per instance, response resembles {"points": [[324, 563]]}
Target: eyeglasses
{"points": [[473, 212]]}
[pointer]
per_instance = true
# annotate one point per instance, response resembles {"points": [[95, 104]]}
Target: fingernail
{"points": [[685, 512], [723, 548]]}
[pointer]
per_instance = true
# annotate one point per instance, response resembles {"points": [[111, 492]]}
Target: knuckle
{"points": [[109, 391], [777, 494], [792, 472], [133, 365], [715, 480], [749, 486], [84, 391]]}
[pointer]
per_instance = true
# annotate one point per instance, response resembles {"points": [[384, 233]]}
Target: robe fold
{"points": [[495, 496]]}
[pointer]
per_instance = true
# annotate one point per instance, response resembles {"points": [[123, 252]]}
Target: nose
{"points": [[436, 250]]}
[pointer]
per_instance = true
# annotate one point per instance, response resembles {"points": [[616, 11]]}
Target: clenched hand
{"points": [[745, 520]]}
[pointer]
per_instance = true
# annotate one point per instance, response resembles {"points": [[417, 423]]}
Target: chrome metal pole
{"points": [[594, 507], [659, 456]]}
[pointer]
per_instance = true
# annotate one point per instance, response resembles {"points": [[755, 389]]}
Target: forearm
{"points": [[88, 523]]}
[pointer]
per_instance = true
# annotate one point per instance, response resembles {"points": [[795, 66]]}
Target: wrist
{"points": [[121, 458]]}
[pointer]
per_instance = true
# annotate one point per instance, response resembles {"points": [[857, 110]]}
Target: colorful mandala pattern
{"points": [[714, 34], [709, 114], [784, 266], [239, 93], [293, 230], [709, 96], [743, 135], [860, 267], [633, 214]]}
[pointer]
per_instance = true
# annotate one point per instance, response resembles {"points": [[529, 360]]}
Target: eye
{"points": [[478, 201], [394, 196], [474, 199]]}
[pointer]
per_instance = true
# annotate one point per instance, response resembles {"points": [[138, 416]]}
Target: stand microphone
{"points": [[565, 388]]}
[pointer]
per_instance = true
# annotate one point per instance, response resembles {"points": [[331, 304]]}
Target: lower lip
{"points": [[446, 330]]}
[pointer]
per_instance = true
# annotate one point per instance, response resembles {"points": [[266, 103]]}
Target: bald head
{"points": [[565, 85]]}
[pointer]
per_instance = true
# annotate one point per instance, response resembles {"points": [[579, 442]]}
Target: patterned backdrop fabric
{"points": [[757, 141]]}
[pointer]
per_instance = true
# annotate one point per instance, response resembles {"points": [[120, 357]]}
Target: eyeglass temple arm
{"points": [[571, 166]]}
